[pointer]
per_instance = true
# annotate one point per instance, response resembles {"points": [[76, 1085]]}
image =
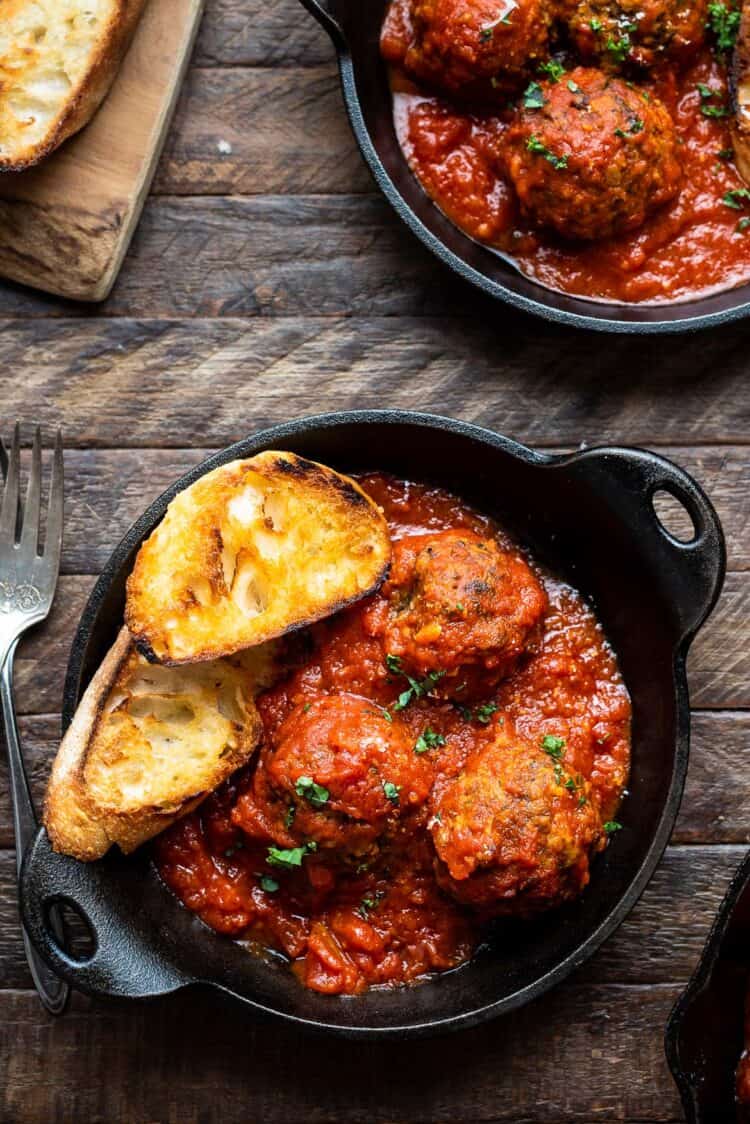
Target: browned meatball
{"points": [[595, 158], [458, 602], [514, 831], [339, 773], [617, 32], [477, 48]]}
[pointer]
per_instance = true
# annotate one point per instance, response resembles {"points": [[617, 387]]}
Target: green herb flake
{"points": [[595, 25], [417, 688], [725, 154], [743, 224], [270, 885], [533, 96], [306, 707], [582, 801], [715, 110], [554, 746], [391, 791], [573, 86], [724, 23], [289, 859], [705, 91], [315, 794], [485, 34], [612, 826], [483, 713], [736, 198], [393, 663], [533, 144], [428, 740], [369, 903], [553, 69], [291, 812]]}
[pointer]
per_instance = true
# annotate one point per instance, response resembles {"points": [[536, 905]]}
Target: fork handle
{"points": [[52, 991]]}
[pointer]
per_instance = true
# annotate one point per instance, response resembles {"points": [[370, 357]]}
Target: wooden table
{"points": [[268, 281]]}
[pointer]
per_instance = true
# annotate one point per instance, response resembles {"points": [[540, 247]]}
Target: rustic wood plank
{"points": [[256, 33], [660, 942], [580, 1054], [150, 382], [266, 131]]}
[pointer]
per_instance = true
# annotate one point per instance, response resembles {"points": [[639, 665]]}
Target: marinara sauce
{"points": [[386, 921], [698, 243]]}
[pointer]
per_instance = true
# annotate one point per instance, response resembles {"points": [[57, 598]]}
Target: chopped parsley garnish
{"points": [[391, 791], [619, 48], [486, 34], [611, 826], [725, 154], [636, 126], [315, 794], [533, 144], [288, 859], [270, 885], [582, 801], [306, 707], [533, 97], [736, 198], [724, 22], [369, 903], [705, 91], [715, 110], [291, 812], [428, 740], [554, 746], [484, 712], [417, 688], [596, 26], [573, 87], [553, 69], [743, 224]]}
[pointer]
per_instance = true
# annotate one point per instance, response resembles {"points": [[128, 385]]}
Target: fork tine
{"points": [[53, 533], [9, 511], [30, 535]]}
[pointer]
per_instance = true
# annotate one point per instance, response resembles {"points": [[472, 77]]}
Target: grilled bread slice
{"points": [[58, 59], [250, 551], [147, 744]]}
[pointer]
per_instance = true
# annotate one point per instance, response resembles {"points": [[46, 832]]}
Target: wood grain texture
{"points": [[583, 1053], [256, 33], [66, 224], [148, 382]]}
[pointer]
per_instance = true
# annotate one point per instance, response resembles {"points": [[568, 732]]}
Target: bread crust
{"points": [[90, 91], [250, 551], [85, 827]]}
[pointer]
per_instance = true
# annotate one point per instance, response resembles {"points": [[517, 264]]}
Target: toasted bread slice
{"points": [[58, 59], [147, 744], [250, 551]]}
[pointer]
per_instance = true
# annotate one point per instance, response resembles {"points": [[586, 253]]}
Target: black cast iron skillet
{"points": [[704, 1037], [354, 26], [590, 517]]}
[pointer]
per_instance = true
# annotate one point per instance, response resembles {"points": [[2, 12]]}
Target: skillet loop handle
{"points": [[694, 569], [325, 17], [120, 963]]}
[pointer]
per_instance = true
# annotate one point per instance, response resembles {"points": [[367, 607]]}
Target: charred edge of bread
{"points": [[317, 478], [84, 100]]}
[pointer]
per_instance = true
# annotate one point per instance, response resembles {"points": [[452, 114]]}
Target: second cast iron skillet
{"points": [[354, 26], [590, 517]]}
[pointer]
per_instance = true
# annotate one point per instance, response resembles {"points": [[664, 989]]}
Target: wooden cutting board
{"points": [[66, 224]]}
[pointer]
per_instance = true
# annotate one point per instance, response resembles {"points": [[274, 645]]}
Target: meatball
{"points": [[477, 48], [339, 773], [595, 159], [461, 603], [617, 32], [514, 831]]}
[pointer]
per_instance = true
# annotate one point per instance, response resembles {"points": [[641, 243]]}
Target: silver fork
{"points": [[27, 585]]}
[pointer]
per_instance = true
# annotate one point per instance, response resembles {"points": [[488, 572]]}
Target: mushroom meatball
{"points": [[514, 831], [595, 158], [617, 32], [477, 48], [339, 774], [458, 601]]}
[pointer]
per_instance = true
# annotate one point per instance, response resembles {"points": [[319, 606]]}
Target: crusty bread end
{"points": [[147, 745], [58, 59]]}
